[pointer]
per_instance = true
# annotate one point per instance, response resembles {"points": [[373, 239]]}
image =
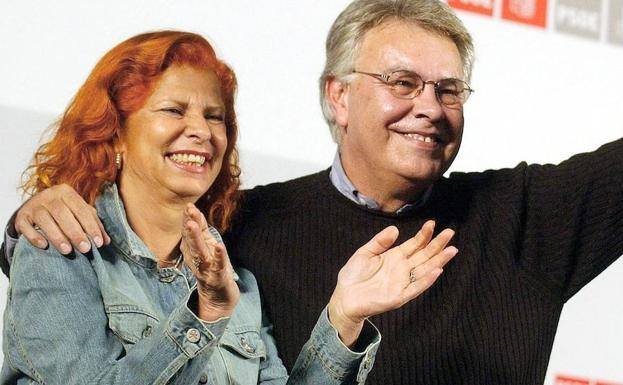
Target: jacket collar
{"points": [[112, 212]]}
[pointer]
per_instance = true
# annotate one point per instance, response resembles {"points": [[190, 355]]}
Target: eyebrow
{"points": [[209, 108], [396, 69]]}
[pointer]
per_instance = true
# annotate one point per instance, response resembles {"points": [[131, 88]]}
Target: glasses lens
{"points": [[405, 84], [452, 91]]}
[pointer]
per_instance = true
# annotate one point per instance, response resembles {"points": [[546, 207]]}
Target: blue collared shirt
{"points": [[113, 316], [346, 187]]}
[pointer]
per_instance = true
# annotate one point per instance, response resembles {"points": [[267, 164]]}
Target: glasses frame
{"points": [[384, 78]]}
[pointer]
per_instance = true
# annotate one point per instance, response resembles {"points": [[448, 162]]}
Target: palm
{"points": [[377, 279]]}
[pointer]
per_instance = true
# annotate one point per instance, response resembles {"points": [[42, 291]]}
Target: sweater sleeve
{"points": [[8, 244], [573, 217]]}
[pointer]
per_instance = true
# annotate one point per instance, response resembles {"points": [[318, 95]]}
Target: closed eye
{"points": [[215, 117], [173, 110]]}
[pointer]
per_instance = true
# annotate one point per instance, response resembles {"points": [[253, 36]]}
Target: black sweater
{"points": [[529, 238]]}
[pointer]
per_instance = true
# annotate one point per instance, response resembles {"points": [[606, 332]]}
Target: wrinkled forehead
{"points": [[399, 45]]}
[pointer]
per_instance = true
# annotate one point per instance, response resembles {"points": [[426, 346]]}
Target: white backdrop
{"points": [[541, 96]]}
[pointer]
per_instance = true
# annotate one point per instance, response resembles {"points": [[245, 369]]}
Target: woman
{"points": [[150, 134]]}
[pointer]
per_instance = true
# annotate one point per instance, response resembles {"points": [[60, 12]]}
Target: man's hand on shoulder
{"points": [[64, 217]]}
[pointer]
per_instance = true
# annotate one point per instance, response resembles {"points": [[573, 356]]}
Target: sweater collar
{"points": [[340, 181]]}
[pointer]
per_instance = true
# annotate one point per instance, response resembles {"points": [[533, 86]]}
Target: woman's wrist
{"points": [[209, 309]]}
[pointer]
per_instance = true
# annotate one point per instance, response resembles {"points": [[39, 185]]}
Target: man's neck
{"points": [[389, 193]]}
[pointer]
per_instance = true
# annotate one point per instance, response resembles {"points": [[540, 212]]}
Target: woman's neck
{"points": [[156, 220]]}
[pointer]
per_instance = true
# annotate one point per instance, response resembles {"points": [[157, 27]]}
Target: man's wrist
{"points": [[348, 329], [11, 231]]}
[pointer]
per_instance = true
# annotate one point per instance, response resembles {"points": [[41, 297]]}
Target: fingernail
{"points": [[98, 241], [41, 244], [84, 247], [65, 248]]}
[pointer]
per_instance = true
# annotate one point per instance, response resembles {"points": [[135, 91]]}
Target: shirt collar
{"points": [[346, 188]]}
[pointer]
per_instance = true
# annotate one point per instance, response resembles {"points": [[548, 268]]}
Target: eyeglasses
{"points": [[407, 85]]}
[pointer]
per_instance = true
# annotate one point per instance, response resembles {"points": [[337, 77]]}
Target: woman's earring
{"points": [[118, 160]]}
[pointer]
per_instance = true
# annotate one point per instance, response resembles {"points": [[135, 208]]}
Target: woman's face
{"points": [[174, 145]]}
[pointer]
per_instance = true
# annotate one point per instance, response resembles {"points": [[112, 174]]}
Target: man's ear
{"points": [[337, 95]]}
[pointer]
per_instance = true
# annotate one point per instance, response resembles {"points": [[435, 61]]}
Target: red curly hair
{"points": [[81, 152]]}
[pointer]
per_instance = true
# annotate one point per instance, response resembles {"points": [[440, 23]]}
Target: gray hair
{"points": [[348, 30]]}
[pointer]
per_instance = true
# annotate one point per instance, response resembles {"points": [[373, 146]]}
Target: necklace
{"points": [[176, 263]]}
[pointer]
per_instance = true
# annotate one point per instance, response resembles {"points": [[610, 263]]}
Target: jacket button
{"points": [[245, 345], [193, 335], [203, 379], [147, 332], [167, 278]]}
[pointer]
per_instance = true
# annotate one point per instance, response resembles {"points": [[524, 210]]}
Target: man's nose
{"points": [[426, 104]]}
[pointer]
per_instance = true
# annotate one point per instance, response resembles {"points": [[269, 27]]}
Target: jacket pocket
{"points": [[242, 350], [130, 323], [244, 341]]}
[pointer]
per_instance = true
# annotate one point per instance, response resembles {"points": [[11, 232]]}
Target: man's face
{"points": [[387, 140]]}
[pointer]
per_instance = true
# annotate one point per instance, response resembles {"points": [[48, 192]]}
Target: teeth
{"points": [[421, 138], [188, 159]]}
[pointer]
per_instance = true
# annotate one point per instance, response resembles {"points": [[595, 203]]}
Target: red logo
{"points": [[566, 380], [484, 7], [533, 12]]}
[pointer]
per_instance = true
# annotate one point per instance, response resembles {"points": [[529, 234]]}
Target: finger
{"points": [[198, 217], [193, 212], [220, 261], [436, 262], [68, 224], [414, 290], [107, 239], [192, 235], [26, 228], [205, 250], [433, 248], [380, 243], [419, 241], [54, 234], [191, 242], [423, 237], [86, 216]]}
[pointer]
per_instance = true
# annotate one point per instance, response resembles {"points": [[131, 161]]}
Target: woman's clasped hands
{"points": [[208, 260]]}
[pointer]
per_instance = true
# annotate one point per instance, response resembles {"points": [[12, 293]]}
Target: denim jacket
{"points": [[112, 316]]}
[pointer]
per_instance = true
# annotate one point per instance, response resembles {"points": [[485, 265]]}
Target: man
{"points": [[393, 90]]}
